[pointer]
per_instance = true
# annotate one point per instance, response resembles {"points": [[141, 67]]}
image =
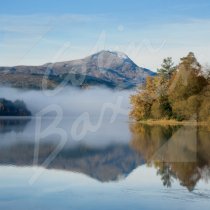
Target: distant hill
{"points": [[106, 68]]}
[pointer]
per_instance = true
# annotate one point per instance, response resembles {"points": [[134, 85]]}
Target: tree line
{"points": [[177, 92]]}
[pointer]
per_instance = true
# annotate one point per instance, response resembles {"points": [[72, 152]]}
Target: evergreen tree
{"points": [[167, 68]]}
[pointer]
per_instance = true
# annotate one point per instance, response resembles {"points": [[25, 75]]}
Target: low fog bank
{"points": [[105, 120], [73, 101]]}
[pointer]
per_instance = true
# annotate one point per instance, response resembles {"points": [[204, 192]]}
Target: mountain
{"points": [[111, 69]]}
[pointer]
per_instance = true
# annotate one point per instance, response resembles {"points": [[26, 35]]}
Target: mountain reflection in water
{"points": [[176, 152], [103, 164]]}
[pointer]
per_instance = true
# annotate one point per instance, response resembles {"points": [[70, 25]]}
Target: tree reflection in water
{"points": [[177, 152], [13, 124]]}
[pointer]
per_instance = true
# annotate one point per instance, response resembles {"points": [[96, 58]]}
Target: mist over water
{"points": [[102, 114], [72, 101]]}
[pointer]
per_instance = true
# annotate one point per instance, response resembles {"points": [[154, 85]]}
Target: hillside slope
{"points": [[111, 69]]}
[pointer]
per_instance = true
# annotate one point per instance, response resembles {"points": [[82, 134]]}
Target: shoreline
{"points": [[172, 122]]}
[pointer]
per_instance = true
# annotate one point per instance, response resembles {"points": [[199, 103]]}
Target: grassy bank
{"points": [[173, 122]]}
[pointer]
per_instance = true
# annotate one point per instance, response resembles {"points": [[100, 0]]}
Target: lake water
{"points": [[112, 165]]}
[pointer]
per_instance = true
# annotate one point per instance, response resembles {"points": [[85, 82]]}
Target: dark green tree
{"points": [[167, 68]]}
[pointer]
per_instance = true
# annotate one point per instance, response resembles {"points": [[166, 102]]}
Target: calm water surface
{"points": [[121, 165]]}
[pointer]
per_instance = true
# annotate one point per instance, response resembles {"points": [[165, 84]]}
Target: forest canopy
{"points": [[177, 92]]}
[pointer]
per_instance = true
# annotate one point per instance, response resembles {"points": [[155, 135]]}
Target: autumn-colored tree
{"points": [[143, 100], [182, 93], [188, 79], [185, 89]]}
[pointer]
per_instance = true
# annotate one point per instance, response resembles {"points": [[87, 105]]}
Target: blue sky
{"points": [[36, 32]]}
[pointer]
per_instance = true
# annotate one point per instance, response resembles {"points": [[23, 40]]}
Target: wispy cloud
{"points": [[37, 23], [34, 39]]}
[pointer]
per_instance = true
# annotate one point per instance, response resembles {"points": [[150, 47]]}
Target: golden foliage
{"points": [[185, 95]]}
